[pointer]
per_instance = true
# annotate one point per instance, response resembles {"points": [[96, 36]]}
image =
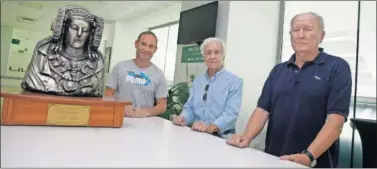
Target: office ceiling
{"points": [[37, 15]]}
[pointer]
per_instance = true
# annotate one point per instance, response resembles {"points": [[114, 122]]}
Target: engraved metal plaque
{"points": [[67, 115]]}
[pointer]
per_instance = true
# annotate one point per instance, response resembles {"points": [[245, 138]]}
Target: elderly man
{"points": [[306, 100], [215, 97]]}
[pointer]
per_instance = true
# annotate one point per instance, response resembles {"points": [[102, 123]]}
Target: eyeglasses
{"points": [[205, 94]]}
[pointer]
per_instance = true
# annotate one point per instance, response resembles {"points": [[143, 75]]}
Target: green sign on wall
{"points": [[191, 54]]}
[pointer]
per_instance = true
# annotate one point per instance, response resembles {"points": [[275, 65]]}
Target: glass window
{"points": [[160, 56], [171, 53], [366, 82], [166, 53]]}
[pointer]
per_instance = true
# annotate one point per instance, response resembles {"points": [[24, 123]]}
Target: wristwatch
{"points": [[313, 161]]}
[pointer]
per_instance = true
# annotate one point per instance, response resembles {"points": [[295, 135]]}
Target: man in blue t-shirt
{"points": [[305, 99]]}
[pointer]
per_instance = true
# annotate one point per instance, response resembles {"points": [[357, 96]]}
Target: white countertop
{"points": [[141, 142]]}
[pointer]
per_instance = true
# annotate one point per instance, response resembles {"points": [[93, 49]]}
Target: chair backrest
{"points": [[368, 133]]}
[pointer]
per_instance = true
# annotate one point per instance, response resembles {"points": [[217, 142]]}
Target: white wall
{"points": [[123, 46], [109, 33], [252, 43], [6, 38], [107, 39], [28, 40]]}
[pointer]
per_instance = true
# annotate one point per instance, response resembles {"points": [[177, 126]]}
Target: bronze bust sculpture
{"points": [[69, 63]]}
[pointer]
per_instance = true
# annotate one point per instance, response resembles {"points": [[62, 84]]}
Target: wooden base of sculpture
{"points": [[26, 108]]}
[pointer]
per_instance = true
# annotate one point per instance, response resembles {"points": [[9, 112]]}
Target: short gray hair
{"points": [[210, 40], [319, 18]]}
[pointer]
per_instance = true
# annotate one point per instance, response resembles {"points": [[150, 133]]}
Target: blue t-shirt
{"points": [[299, 100]]}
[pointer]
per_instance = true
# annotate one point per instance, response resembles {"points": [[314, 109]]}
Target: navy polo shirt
{"points": [[299, 100]]}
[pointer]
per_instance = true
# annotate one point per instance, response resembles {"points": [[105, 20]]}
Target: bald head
{"points": [[311, 15]]}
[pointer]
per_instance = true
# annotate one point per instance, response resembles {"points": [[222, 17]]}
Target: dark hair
{"points": [[147, 33]]}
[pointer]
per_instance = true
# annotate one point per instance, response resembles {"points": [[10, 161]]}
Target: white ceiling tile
{"points": [[109, 10]]}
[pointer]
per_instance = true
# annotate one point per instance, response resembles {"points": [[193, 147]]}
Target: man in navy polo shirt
{"points": [[305, 99]]}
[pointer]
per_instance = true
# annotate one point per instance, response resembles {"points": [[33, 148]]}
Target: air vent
{"points": [[34, 5], [16, 41], [25, 19]]}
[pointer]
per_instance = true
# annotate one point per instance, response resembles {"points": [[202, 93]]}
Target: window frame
{"points": [[168, 24]]}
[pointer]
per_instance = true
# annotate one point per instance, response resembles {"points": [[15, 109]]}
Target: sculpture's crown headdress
{"points": [[69, 11], [82, 13]]}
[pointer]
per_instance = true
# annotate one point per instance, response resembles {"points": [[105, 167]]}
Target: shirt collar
{"points": [[215, 75], [319, 59]]}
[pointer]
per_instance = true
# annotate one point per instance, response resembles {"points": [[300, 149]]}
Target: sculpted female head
{"points": [[78, 31], [75, 27]]}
